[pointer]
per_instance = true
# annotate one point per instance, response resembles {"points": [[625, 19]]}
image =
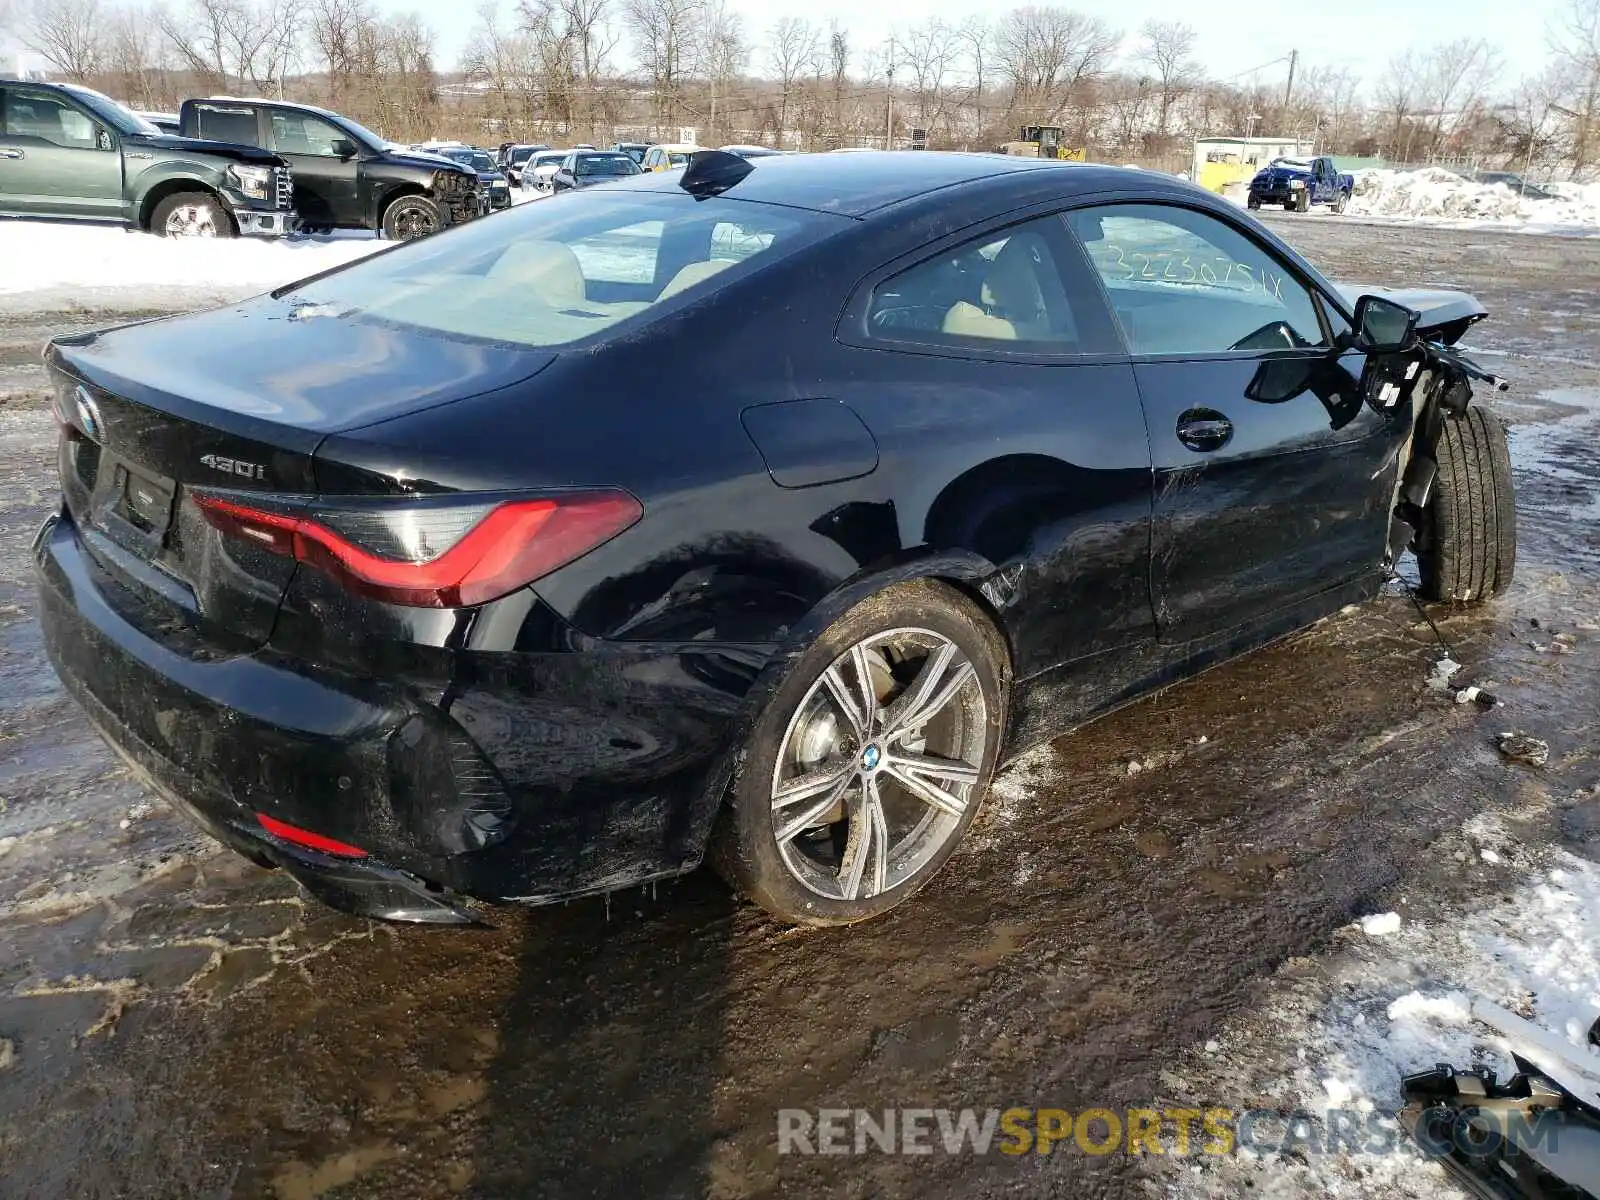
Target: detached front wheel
{"points": [[1467, 548], [868, 766], [412, 217]]}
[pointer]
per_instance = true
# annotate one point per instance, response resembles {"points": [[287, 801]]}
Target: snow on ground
{"points": [[1435, 196], [47, 267], [1340, 1033]]}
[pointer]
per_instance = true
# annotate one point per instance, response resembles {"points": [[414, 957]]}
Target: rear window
{"points": [[607, 164], [546, 275], [227, 124]]}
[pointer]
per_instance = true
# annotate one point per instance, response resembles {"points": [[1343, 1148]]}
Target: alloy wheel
{"points": [[879, 764], [414, 221], [191, 220]]}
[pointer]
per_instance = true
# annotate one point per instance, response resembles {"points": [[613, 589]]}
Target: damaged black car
{"points": [[756, 512]]}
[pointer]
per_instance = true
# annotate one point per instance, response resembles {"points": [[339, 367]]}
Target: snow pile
{"points": [[54, 267], [1341, 1035], [1442, 197]]}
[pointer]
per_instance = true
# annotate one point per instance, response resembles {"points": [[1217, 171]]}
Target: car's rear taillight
{"points": [[434, 555]]}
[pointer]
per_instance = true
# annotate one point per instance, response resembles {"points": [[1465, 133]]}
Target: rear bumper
{"points": [[532, 777]]}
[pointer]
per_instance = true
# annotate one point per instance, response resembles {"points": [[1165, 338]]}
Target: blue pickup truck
{"points": [[1298, 183]]}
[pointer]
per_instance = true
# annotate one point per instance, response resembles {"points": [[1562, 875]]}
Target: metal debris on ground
{"points": [[1519, 747], [1443, 671], [1470, 1121]]}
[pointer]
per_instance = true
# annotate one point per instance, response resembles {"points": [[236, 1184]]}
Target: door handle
{"points": [[1204, 430], [12, 154]]}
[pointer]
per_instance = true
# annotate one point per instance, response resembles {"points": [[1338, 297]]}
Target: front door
{"points": [[55, 159], [326, 166], [1267, 462], [1008, 423]]}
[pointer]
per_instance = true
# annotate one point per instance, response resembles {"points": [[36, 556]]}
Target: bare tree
{"points": [[69, 35], [1456, 79], [1167, 48], [1398, 100], [1048, 56], [838, 78], [725, 56], [978, 40], [932, 51], [793, 47], [254, 41], [1575, 41], [666, 41]]}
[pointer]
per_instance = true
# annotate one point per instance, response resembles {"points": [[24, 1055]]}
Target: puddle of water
{"points": [[1557, 468]]}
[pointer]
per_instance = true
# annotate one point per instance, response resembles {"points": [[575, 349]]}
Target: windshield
{"points": [[478, 160], [1297, 164], [360, 132], [606, 164], [112, 113], [520, 155], [546, 275]]}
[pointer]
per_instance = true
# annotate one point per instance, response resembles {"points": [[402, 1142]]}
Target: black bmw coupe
{"points": [[753, 512]]}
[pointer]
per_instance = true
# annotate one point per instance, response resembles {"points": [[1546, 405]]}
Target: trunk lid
{"points": [[235, 401]]}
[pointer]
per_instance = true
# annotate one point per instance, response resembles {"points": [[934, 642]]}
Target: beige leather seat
{"points": [[548, 270], [1013, 304], [968, 320], [692, 274]]}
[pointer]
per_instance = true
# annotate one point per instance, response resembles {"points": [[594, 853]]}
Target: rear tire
{"points": [[905, 634], [1253, 203], [412, 217], [1468, 548], [191, 214], [1340, 204]]}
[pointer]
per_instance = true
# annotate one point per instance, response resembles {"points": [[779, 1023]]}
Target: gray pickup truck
{"points": [[69, 153]]}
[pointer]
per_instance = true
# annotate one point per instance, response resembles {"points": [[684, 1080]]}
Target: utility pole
{"points": [[1288, 90], [888, 102]]}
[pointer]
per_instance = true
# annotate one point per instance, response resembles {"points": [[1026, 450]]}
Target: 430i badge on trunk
{"points": [[234, 466]]}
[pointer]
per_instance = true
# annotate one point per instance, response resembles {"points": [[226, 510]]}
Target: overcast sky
{"points": [[1234, 36]]}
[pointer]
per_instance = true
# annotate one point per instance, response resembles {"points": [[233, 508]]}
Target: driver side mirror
{"points": [[1382, 326], [103, 140], [344, 148]]}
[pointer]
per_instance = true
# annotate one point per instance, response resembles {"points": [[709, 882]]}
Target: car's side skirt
{"points": [[1053, 702]]}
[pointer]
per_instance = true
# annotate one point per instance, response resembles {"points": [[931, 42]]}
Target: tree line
{"points": [[604, 70]]}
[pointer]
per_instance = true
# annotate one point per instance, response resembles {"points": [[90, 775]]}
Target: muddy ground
{"points": [[175, 1022]]}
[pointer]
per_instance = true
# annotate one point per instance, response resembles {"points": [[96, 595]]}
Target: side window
{"points": [[1002, 291], [300, 133], [228, 123], [1184, 282], [41, 115]]}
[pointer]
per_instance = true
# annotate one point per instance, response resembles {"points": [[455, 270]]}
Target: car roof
{"points": [[857, 184]]}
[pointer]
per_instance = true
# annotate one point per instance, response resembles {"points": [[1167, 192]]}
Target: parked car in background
{"points": [[1299, 183], [634, 150], [585, 168], [513, 157], [345, 176], [748, 152], [668, 156], [164, 121], [496, 188], [927, 458], [541, 168], [70, 153], [1510, 179]]}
